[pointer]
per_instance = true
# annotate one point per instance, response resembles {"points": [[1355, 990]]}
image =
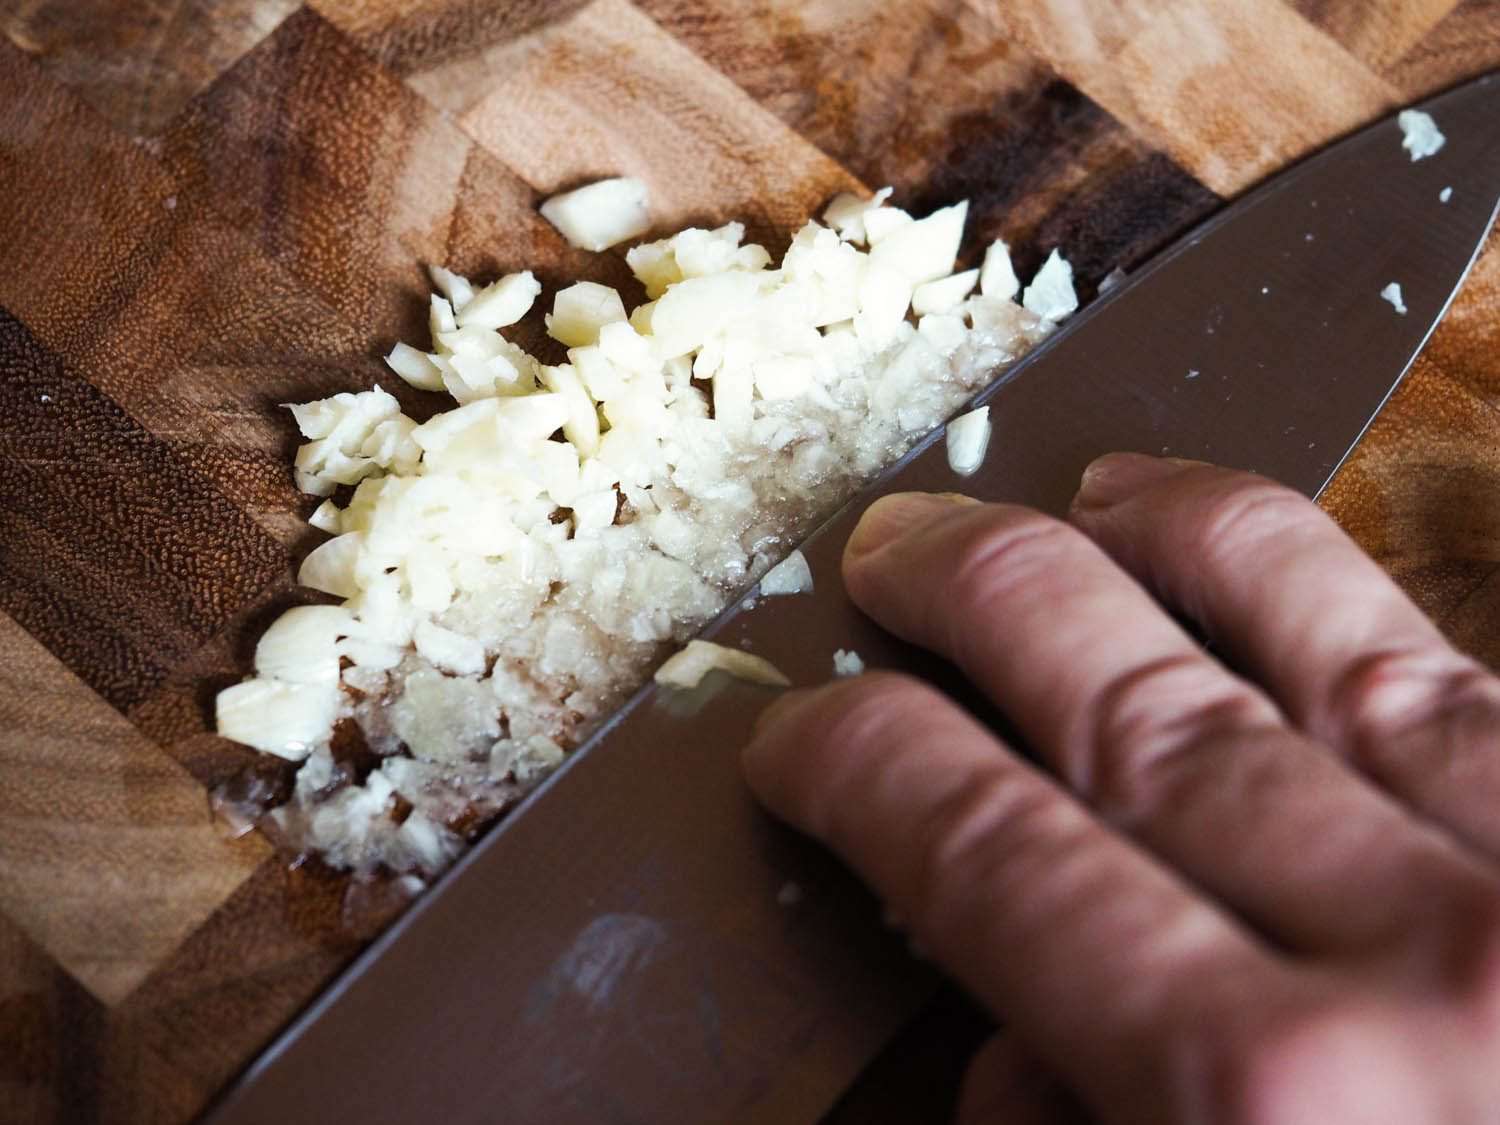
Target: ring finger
{"points": [[1291, 599], [1150, 730]]}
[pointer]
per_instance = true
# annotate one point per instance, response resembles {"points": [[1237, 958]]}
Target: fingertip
{"points": [[796, 742], [768, 723], [1115, 477], [892, 516]]}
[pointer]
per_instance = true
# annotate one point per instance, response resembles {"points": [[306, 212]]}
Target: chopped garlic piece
{"points": [[1445, 195], [687, 668], [440, 316], [415, 367], [582, 426], [847, 662], [600, 215], [581, 310], [457, 289], [501, 304], [300, 646], [882, 222], [328, 517], [968, 439], [943, 295], [1050, 294], [695, 310], [791, 575], [330, 567], [998, 278], [846, 213], [1392, 293], [1420, 135], [884, 297], [924, 250], [450, 651], [284, 719]]}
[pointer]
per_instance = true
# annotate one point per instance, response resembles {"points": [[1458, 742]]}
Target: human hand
{"points": [[1266, 897]]}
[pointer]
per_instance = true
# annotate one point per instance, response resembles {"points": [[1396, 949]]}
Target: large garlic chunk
{"points": [[285, 719], [998, 278], [600, 215], [968, 439], [924, 250], [300, 647], [791, 575], [687, 668], [1050, 294], [501, 304]]}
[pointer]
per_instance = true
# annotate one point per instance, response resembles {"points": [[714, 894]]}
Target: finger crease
{"points": [[1146, 721]]}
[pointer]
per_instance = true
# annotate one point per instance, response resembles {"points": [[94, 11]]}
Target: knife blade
{"points": [[638, 942]]}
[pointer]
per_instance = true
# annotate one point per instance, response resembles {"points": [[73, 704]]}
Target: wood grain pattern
{"points": [[410, 36], [608, 91], [1232, 92], [1376, 34], [216, 206], [138, 64], [952, 111], [108, 855], [119, 609], [1420, 493], [353, 182], [1460, 46], [45, 1015]]}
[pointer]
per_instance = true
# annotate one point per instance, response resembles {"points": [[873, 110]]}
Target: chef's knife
{"points": [[638, 942]]}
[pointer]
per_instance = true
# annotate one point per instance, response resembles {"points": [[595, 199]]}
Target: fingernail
{"points": [[1117, 476], [892, 516]]}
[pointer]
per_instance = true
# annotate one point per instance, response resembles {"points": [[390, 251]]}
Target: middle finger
{"points": [[1154, 733]]}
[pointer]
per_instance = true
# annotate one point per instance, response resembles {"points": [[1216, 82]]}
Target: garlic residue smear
{"points": [[510, 570]]}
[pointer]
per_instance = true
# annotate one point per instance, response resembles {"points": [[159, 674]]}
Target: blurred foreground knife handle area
{"points": [[657, 974]]}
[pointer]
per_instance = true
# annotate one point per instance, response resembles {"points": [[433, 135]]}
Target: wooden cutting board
{"points": [[209, 207]]}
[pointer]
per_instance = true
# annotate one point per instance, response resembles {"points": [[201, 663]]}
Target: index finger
{"points": [[1100, 957]]}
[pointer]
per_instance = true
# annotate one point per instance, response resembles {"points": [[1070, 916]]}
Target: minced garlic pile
{"points": [[509, 571]]}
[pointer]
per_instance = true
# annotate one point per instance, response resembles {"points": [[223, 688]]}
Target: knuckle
{"points": [[995, 560], [847, 722], [1154, 721], [986, 834], [997, 556], [1389, 693], [1238, 519], [855, 711]]}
